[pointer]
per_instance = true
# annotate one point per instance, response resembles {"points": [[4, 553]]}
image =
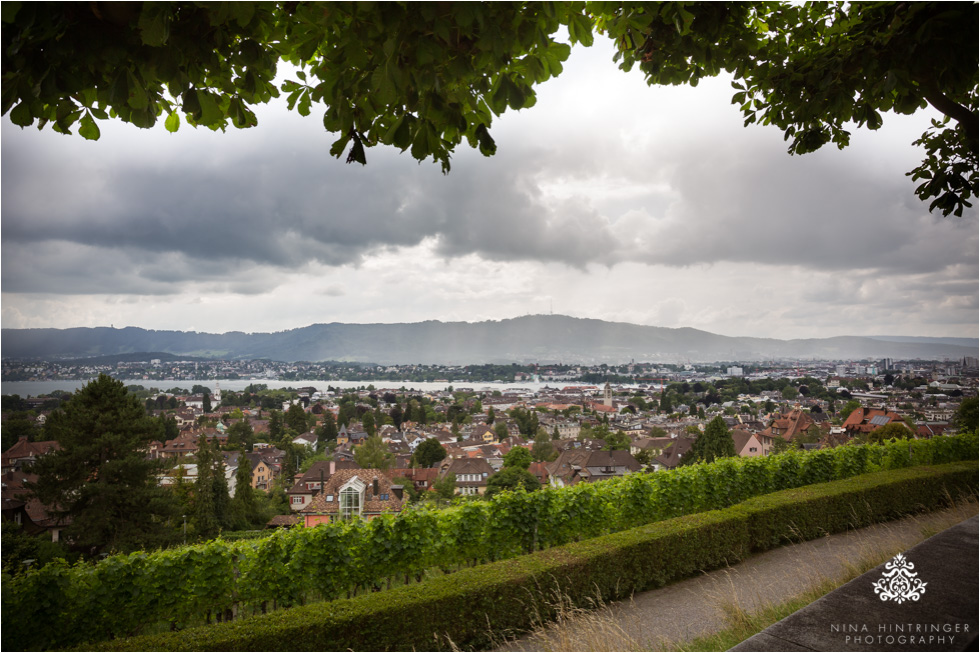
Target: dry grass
{"points": [[731, 612]]}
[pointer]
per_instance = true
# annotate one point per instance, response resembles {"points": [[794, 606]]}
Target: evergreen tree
{"points": [[100, 479], [346, 413], [396, 416], [326, 433], [207, 517], [241, 434], [715, 442], [369, 425], [277, 426], [296, 419], [243, 504], [491, 416], [207, 403], [287, 472], [168, 429]]}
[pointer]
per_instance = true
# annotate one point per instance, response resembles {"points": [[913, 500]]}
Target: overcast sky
{"points": [[608, 199]]}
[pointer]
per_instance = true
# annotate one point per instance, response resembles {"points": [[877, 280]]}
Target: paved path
{"points": [[696, 606], [943, 617]]}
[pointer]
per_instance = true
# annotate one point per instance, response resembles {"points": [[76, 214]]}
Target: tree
{"points": [[657, 432], [327, 432], [644, 456], [241, 434], [617, 441], [519, 457], [206, 404], [491, 416], [428, 453], [287, 473], [374, 454], [501, 431], [277, 427], [790, 393], [409, 488], [848, 408], [894, 430], [210, 491], [368, 424], [967, 415], [396, 416], [100, 479], [296, 419], [243, 505], [543, 450], [715, 442], [445, 487], [427, 77], [510, 478]]}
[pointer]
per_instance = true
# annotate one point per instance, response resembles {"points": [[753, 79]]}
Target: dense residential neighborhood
{"points": [[318, 453]]}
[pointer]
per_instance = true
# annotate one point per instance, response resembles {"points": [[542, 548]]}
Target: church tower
{"points": [[607, 396]]}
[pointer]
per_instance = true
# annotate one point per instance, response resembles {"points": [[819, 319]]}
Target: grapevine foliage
{"points": [[127, 594]]}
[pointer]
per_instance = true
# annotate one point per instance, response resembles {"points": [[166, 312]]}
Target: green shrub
{"points": [[511, 596], [193, 584]]}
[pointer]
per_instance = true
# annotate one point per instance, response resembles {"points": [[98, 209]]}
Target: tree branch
{"points": [[961, 114]]}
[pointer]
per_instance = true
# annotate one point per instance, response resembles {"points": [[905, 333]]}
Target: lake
{"points": [[36, 388]]}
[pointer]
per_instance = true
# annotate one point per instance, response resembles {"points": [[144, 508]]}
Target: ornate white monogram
{"points": [[899, 582]]}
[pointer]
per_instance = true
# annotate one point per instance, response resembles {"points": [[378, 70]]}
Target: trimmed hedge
{"points": [[512, 596], [180, 587]]}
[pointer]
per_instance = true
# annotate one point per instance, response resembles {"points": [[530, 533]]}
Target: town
{"points": [[315, 453]]}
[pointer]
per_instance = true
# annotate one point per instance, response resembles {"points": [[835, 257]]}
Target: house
{"points": [[567, 466], [866, 420], [351, 493], [17, 498], [656, 446], [422, 477], [264, 472], [672, 455], [307, 439], [309, 485], [22, 452], [540, 471], [748, 444], [181, 446], [789, 424], [471, 475], [484, 434], [601, 465]]}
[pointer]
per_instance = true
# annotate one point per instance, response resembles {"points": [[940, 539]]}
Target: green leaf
{"points": [[154, 24], [88, 129], [21, 115], [304, 102], [8, 11], [210, 113], [137, 95], [172, 123], [191, 105]]}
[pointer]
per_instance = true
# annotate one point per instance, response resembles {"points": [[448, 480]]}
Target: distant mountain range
{"points": [[533, 338]]}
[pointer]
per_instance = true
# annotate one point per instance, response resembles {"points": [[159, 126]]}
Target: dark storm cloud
{"points": [[246, 211], [284, 213]]}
